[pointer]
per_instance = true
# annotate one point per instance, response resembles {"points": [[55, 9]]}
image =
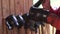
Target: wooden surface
{"points": [[8, 7], [16, 7]]}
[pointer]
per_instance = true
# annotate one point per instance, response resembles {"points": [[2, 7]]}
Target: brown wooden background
{"points": [[8, 7]]}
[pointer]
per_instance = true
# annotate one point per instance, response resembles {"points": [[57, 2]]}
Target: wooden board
{"points": [[1, 28], [6, 12], [17, 6], [26, 6], [12, 12]]}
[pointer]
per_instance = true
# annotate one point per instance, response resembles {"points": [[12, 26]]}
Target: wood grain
{"points": [[12, 12], [6, 12], [1, 28], [17, 6]]}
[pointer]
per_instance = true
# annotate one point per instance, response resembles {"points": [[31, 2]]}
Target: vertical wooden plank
{"points": [[30, 3], [32, 32], [1, 27], [12, 6], [28, 31], [22, 7], [17, 6], [26, 6], [15, 30], [22, 30], [6, 12], [12, 10]]}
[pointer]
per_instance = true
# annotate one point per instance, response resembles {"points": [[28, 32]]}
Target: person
{"points": [[53, 20]]}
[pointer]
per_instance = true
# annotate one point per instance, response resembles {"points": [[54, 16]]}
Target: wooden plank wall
{"points": [[8, 7]]}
